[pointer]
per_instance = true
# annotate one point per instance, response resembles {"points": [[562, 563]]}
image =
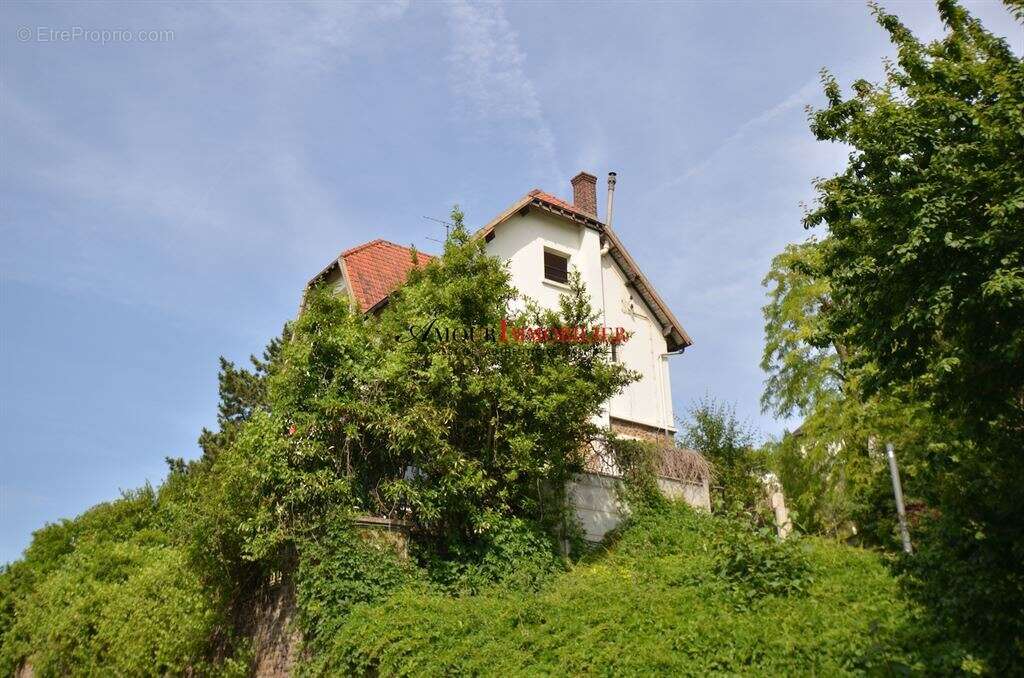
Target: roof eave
{"points": [[532, 200], [324, 272], [677, 337]]}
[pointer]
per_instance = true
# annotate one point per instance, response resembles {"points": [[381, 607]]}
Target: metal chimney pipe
{"points": [[611, 199]]}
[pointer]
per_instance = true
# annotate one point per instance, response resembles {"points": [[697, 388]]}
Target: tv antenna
{"points": [[447, 227]]}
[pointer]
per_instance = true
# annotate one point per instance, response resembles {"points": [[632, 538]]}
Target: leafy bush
{"points": [[743, 561], [107, 593], [654, 601], [513, 554], [341, 571], [755, 564], [947, 573], [713, 429], [339, 568]]}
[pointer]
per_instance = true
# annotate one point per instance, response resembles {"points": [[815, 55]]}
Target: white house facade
{"points": [[544, 229], [541, 236]]}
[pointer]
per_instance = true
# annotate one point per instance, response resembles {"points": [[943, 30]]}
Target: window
{"points": [[556, 267], [615, 353]]}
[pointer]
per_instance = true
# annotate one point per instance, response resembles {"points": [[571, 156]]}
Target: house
{"points": [[542, 238]]}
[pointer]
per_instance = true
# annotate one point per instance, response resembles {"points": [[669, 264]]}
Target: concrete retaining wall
{"points": [[599, 510]]}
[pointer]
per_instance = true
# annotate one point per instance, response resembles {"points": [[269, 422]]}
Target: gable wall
{"points": [[521, 240], [648, 401], [336, 281]]}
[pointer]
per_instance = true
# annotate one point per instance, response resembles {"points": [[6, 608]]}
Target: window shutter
{"points": [[556, 267]]}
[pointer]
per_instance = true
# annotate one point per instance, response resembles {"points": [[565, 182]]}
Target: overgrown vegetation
{"points": [[739, 467], [903, 322], [677, 593], [111, 592], [472, 443]]}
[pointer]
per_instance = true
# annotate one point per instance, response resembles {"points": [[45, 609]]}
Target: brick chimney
{"points": [[584, 193]]}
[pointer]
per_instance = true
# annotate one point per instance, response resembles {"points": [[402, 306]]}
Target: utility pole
{"points": [[897, 490]]}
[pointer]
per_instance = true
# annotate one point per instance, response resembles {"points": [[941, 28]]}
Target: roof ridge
{"points": [[357, 248], [381, 241]]}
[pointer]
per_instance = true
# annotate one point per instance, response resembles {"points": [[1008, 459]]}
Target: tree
{"points": [[924, 259], [803, 362], [713, 429], [242, 393], [925, 254], [833, 469]]}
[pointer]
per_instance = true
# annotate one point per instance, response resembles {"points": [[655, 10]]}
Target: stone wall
{"points": [[269, 622], [632, 429], [594, 494], [269, 617], [697, 495], [596, 503]]}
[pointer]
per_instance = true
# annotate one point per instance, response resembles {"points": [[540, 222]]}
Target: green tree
{"points": [[925, 264], [925, 254], [419, 413], [833, 469], [804, 363], [713, 429], [835, 475], [242, 393], [404, 414], [449, 428]]}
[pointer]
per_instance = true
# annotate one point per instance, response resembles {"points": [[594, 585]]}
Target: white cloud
{"points": [[799, 98], [487, 75]]}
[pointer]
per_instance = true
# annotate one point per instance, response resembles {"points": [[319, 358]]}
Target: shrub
{"points": [[513, 554], [339, 568], [130, 607], [713, 429], [653, 601], [109, 593]]}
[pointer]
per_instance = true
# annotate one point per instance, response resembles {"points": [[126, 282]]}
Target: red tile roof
{"points": [[377, 268]]}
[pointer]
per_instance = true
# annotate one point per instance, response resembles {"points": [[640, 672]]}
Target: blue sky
{"points": [[162, 203]]}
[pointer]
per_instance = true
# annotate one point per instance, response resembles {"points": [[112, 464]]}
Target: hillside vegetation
{"points": [[678, 593], [674, 591], [901, 321]]}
